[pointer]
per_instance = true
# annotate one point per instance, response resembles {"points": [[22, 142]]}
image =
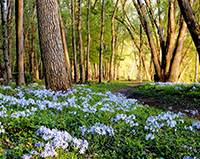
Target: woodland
{"points": [[104, 40], [76, 78]]}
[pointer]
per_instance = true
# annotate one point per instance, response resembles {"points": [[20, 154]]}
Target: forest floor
{"points": [[155, 102]]}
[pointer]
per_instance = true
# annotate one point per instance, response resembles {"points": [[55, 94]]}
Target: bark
{"points": [[76, 75], [146, 26], [33, 70], [10, 21], [88, 43], [82, 71], [64, 42], [170, 39], [101, 44], [53, 58], [177, 53], [113, 42], [196, 68], [8, 75], [19, 42], [140, 56], [31, 54], [175, 62], [191, 21]]}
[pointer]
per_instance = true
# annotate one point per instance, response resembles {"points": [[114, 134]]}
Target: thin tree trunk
{"points": [[76, 74], [182, 72], [64, 41], [146, 26], [170, 39], [32, 63], [53, 58], [196, 68], [113, 42], [19, 42], [8, 75], [101, 44], [145, 69], [33, 70], [140, 56], [88, 43], [191, 21], [94, 5], [82, 77], [10, 21]]}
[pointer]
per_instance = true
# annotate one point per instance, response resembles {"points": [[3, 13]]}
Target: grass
{"points": [[184, 95], [90, 121]]}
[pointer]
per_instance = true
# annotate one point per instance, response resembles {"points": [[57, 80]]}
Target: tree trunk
{"points": [[10, 21], [64, 42], [101, 44], [196, 68], [140, 56], [182, 72], [32, 63], [167, 53], [113, 42], [19, 42], [177, 53], [191, 21], [76, 74], [175, 62], [88, 43], [8, 75], [53, 58], [146, 26], [82, 71]]}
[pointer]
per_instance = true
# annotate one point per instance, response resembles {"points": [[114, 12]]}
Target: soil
{"points": [[154, 101]]}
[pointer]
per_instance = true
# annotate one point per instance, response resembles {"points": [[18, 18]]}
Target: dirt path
{"points": [[153, 101]]}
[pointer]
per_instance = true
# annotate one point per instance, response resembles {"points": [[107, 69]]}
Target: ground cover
{"points": [[90, 122], [178, 97]]}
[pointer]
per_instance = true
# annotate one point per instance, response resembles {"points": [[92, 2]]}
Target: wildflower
{"points": [[150, 136]]}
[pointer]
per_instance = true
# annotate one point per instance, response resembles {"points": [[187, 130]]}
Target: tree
{"points": [[82, 77], [88, 43], [101, 44], [113, 42], [8, 75], [167, 67], [19, 42], [191, 21], [64, 42], [53, 58], [76, 76]]}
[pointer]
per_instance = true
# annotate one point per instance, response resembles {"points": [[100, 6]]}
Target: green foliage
{"points": [[128, 141], [187, 96]]}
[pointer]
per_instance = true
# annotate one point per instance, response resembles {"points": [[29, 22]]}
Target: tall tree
{"points": [[64, 42], [8, 75], [191, 21], [88, 42], [140, 56], [166, 68], [19, 42], [53, 58], [82, 70], [76, 76], [101, 43], [113, 42]]}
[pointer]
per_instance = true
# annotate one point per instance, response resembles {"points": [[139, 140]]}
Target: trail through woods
{"points": [[155, 101]]}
